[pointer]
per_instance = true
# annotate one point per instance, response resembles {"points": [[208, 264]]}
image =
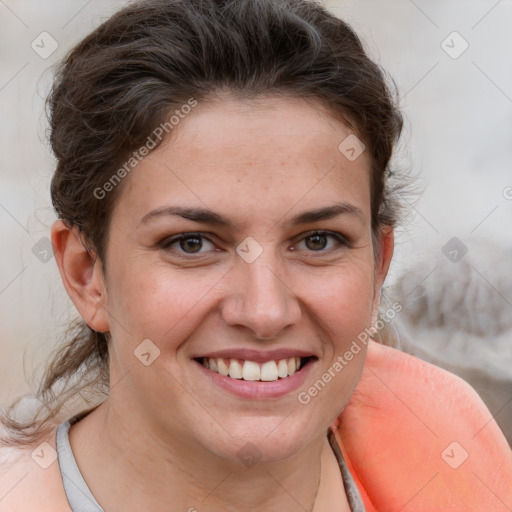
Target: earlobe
{"points": [[81, 275]]}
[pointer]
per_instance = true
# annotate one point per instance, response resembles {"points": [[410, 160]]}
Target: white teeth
{"points": [[268, 371], [251, 371], [223, 368], [282, 368], [235, 369]]}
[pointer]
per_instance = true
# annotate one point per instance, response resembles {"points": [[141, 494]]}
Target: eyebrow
{"points": [[206, 216]]}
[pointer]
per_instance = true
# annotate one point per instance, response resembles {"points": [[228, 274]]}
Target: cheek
{"points": [[343, 299], [165, 304], [155, 301], [341, 306]]}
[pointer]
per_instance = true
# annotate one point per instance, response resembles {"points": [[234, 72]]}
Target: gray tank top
{"points": [[81, 499]]}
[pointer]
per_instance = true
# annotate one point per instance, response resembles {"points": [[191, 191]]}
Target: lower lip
{"points": [[258, 389]]}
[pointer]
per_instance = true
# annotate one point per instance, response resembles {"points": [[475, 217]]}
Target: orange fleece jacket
{"points": [[417, 438]]}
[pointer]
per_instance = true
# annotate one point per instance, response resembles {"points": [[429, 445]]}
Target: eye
{"points": [[187, 243], [197, 243], [318, 241]]}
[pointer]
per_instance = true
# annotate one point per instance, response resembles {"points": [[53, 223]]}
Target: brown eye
{"points": [[316, 242], [186, 243], [319, 241], [191, 244]]}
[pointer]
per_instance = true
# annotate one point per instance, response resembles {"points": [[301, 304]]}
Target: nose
{"points": [[260, 299]]}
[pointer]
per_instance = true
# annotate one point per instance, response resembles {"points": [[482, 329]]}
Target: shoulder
{"points": [[30, 478], [416, 434]]}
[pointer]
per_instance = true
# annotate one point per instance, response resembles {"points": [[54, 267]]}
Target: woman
{"points": [[225, 228]]}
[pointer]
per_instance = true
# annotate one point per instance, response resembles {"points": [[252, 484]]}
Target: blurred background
{"points": [[451, 61]]}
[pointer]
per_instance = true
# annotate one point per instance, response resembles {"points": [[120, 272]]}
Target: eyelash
{"points": [[166, 243]]}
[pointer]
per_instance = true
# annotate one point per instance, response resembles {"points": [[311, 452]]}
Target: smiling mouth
{"points": [[252, 371]]}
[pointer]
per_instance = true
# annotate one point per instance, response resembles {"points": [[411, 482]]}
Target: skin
{"points": [[166, 435]]}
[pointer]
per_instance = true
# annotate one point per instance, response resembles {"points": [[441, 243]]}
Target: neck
{"points": [[130, 465]]}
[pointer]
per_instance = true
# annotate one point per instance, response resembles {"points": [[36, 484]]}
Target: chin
{"points": [[263, 440]]}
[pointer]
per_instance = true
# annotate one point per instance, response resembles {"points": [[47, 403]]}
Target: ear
{"points": [[81, 275], [384, 253]]}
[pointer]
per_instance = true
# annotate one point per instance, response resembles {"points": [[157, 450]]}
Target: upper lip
{"points": [[258, 356]]}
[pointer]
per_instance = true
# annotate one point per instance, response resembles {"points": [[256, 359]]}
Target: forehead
{"points": [[249, 153]]}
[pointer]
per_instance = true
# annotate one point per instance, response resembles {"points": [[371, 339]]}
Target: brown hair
{"points": [[149, 59]]}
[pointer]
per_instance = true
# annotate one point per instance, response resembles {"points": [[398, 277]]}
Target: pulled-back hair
{"points": [[130, 74]]}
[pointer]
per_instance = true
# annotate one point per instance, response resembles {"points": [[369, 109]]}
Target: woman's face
{"points": [[251, 283]]}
